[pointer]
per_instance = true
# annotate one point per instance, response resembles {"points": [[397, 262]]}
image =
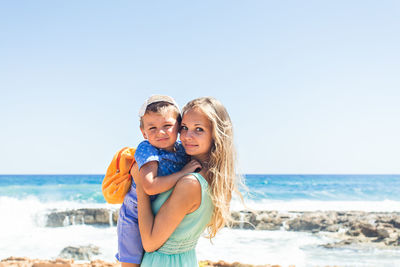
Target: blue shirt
{"points": [[168, 163]]}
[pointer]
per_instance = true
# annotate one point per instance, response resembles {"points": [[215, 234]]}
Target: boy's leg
{"points": [[128, 264], [130, 249]]}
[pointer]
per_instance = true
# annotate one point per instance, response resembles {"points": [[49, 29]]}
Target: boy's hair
{"points": [[161, 107], [222, 161]]}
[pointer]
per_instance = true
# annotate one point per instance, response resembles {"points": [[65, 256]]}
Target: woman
{"points": [[199, 200]]}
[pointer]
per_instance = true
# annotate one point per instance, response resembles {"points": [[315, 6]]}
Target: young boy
{"points": [[161, 161]]}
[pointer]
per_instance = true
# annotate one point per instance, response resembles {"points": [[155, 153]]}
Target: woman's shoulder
{"points": [[192, 183], [188, 186], [188, 190], [188, 182]]}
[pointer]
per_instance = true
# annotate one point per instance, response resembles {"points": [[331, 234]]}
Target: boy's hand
{"points": [[191, 166]]}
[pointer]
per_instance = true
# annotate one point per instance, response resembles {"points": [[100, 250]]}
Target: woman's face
{"points": [[196, 134]]}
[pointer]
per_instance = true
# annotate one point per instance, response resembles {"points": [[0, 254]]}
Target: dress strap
{"points": [[203, 182]]}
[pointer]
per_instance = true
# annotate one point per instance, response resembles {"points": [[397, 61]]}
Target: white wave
{"points": [[257, 247], [23, 232], [288, 249]]}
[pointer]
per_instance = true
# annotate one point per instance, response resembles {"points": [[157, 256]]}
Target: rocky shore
{"points": [[380, 229], [26, 262]]}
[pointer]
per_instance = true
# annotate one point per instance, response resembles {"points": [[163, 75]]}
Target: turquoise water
{"points": [[87, 188]]}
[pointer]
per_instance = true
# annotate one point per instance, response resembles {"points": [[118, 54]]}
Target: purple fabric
{"points": [[130, 247]]}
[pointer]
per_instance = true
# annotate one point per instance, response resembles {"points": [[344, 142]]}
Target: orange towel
{"points": [[118, 180]]}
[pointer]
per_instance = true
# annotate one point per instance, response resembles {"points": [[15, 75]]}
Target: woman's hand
{"points": [[135, 175]]}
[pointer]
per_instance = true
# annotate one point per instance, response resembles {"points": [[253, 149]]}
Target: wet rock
{"points": [[267, 226], [395, 222], [368, 230], [115, 217], [80, 216], [382, 233], [332, 228], [257, 220], [56, 219], [80, 253], [307, 224], [353, 232]]}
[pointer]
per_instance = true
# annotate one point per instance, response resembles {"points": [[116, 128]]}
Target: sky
{"points": [[312, 87]]}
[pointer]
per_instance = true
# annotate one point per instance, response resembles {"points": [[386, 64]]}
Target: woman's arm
{"points": [[155, 230]]}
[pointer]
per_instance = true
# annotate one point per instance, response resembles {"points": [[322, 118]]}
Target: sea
{"points": [[26, 199]]}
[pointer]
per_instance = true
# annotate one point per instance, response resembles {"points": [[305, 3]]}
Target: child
{"points": [[161, 161]]}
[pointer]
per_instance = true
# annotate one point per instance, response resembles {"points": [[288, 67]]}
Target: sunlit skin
{"points": [[161, 130], [196, 134]]}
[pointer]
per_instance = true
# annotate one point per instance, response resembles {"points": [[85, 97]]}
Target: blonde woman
{"points": [[199, 200]]}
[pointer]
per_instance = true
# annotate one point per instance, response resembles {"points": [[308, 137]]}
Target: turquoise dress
{"points": [[179, 249]]}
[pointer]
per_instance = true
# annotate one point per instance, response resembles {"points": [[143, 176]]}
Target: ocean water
{"points": [[26, 199]]}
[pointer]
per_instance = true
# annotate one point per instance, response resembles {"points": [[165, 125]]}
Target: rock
{"points": [[342, 243], [353, 232], [257, 220], [395, 222], [368, 230], [382, 233], [79, 253], [115, 217], [56, 219], [80, 216], [332, 228], [392, 240], [303, 224], [267, 226]]}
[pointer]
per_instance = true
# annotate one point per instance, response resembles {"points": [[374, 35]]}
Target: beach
{"points": [[26, 262], [42, 216], [340, 230]]}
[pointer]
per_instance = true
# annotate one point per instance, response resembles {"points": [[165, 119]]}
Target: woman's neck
{"points": [[203, 159]]}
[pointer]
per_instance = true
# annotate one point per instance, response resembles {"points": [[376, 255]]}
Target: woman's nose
{"points": [[188, 135]]}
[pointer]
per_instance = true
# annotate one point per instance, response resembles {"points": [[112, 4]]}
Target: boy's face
{"points": [[161, 130]]}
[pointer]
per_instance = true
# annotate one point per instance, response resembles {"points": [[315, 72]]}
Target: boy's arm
{"points": [[153, 184]]}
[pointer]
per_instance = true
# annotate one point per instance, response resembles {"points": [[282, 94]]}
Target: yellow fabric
{"points": [[116, 184]]}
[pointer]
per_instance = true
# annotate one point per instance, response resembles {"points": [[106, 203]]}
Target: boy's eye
{"points": [[152, 128]]}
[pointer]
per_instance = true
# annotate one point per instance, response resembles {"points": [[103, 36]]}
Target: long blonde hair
{"points": [[222, 160]]}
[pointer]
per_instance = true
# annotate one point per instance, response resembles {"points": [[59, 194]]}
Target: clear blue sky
{"points": [[311, 86]]}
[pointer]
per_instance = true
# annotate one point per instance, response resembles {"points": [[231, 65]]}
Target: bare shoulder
{"points": [[188, 186], [188, 181]]}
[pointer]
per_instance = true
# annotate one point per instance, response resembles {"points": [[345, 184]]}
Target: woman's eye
{"points": [[198, 129], [184, 128]]}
